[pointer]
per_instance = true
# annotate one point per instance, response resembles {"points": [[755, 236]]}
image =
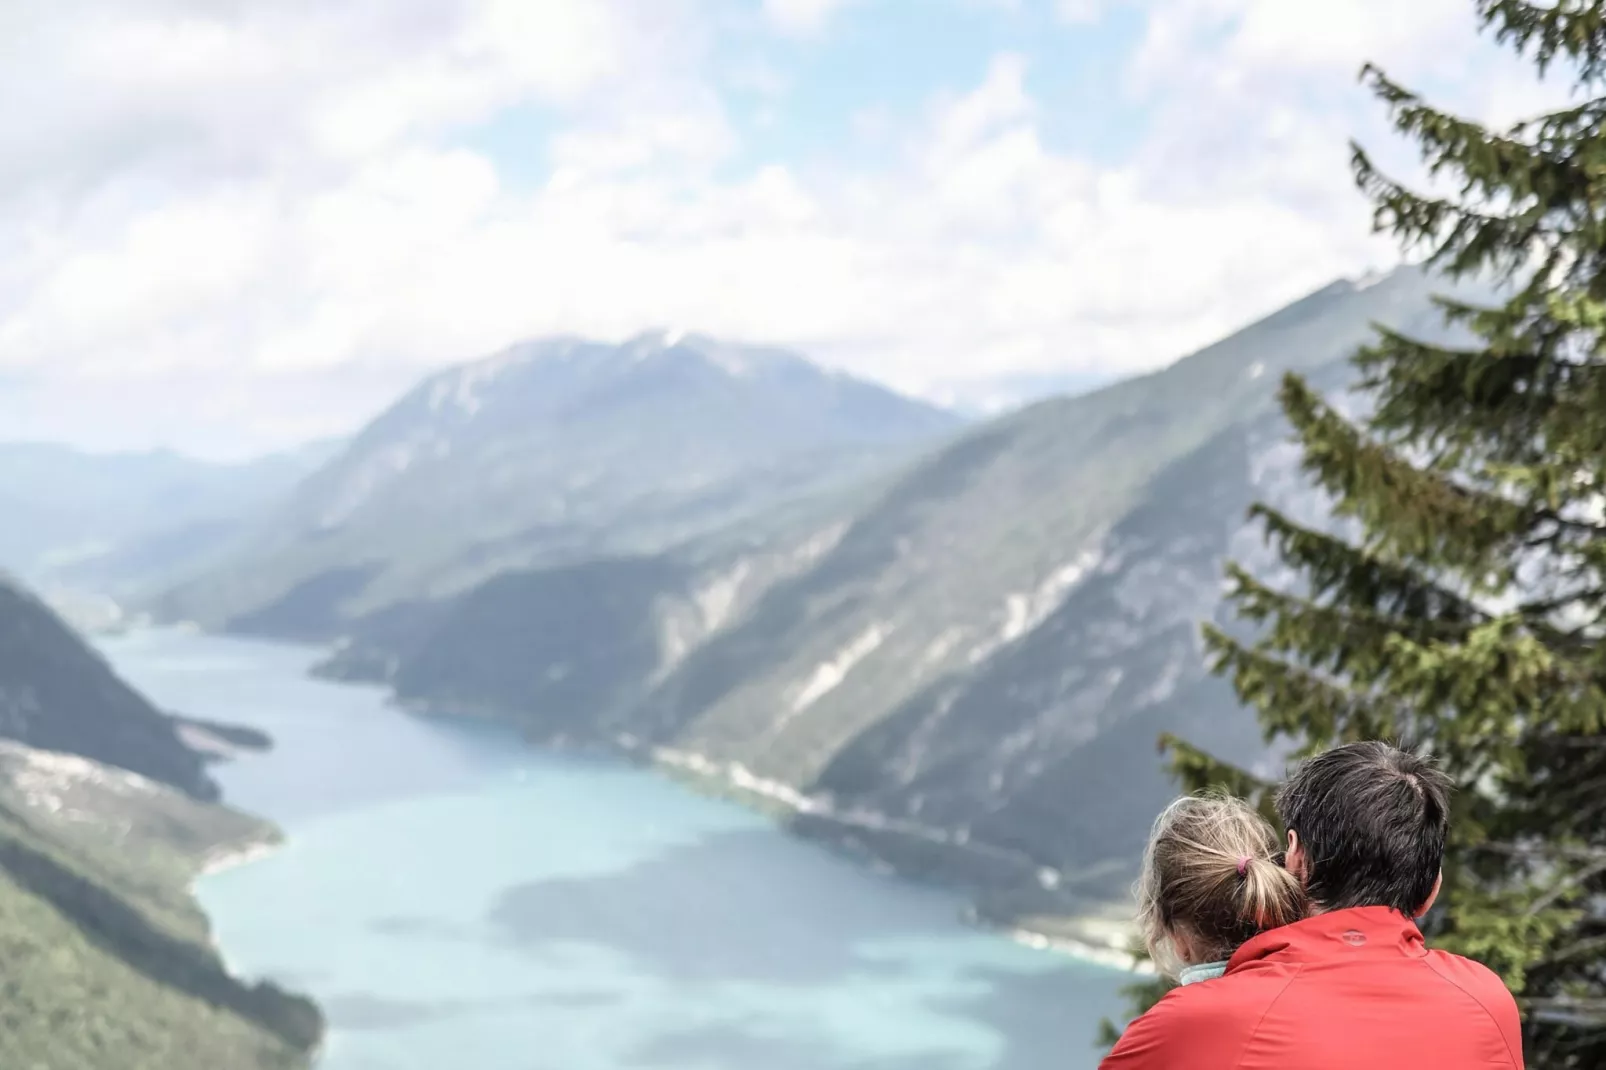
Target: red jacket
{"points": [[1351, 990]]}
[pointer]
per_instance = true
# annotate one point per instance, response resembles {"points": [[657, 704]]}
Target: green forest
{"points": [[108, 962]]}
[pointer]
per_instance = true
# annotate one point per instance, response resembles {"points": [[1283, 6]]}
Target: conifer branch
{"points": [[1494, 167], [1410, 513], [1572, 29], [1334, 568], [1459, 240]]}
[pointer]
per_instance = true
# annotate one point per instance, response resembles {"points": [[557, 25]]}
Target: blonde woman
{"points": [[1211, 881]]}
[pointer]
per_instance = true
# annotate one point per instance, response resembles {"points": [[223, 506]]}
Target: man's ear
{"points": [[1294, 858], [1433, 896]]}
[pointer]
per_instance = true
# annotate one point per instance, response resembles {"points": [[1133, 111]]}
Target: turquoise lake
{"points": [[458, 901]]}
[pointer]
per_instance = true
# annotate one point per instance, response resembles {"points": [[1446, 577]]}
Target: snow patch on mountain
{"points": [[828, 675], [717, 598], [462, 391], [820, 544], [1024, 611], [942, 646]]}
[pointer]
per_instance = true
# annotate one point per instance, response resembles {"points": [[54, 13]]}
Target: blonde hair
{"points": [[1211, 875]]}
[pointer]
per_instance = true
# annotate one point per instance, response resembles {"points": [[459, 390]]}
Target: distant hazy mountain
{"points": [[109, 521], [965, 667], [998, 394], [552, 450]]}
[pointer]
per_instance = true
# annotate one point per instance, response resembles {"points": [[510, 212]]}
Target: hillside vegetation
{"points": [[108, 962], [107, 959]]}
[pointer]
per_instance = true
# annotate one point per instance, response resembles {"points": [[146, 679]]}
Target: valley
{"points": [[944, 648], [757, 534], [957, 662]]}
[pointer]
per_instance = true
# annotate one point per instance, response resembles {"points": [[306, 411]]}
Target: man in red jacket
{"points": [[1352, 987]]}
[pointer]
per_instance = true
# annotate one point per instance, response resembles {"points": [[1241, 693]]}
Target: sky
{"points": [[236, 225]]}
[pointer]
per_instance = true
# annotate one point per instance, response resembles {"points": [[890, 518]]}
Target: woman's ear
{"points": [[1294, 859], [1433, 896]]}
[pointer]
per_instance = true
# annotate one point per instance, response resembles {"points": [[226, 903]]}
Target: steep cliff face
{"points": [[1047, 750], [58, 695]]}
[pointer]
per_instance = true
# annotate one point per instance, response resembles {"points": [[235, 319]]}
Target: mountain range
{"points": [[948, 644], [958, 660], [552, 451], [111, 523]]}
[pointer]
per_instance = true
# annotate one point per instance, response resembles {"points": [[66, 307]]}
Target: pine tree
{"points": [[1461, 607]]}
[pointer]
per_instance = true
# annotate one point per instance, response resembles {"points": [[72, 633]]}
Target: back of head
{"points": [[1211, 880], [1371, 822]]}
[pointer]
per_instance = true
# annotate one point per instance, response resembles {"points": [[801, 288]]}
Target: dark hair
{"points": [[1372, 821]]}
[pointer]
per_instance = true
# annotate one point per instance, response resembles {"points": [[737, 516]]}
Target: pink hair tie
{"points": [[1243, 866]]}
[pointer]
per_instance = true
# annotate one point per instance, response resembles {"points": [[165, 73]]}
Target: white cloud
{"points": [[1261, 37], [802, 16], [232, 225], [1079, 12]]}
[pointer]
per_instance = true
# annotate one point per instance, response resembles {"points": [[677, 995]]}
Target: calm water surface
{"points": [[456, 901]]}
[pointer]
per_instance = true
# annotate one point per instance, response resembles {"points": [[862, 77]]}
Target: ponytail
{"points": [[1210, 873], [1269, 896]]}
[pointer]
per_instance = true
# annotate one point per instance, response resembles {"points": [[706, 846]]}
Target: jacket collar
{"points": [[1203, 971], [1370, 930]]}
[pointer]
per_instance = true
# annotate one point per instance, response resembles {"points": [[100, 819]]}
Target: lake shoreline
{"points": [[1101, 934], [457, 892], [234, 857], [1099, 931], [1096, 930]]}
